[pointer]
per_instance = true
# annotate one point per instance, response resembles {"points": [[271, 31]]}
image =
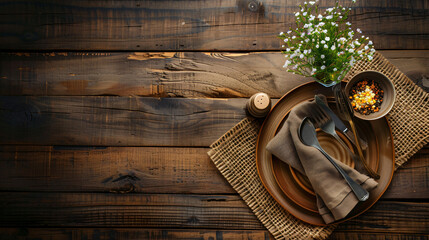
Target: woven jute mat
{"points": [[234, 154]]}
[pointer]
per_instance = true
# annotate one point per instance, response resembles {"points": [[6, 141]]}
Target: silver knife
{"points": [[338, 123]]}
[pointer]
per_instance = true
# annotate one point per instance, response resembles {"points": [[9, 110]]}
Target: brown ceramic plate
{"points": [[264, 160]]}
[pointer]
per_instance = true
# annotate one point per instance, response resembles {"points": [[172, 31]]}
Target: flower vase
{"points": [[327, 84]]}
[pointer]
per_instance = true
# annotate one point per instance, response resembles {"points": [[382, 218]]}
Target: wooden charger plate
{"points": [[297, 189]]}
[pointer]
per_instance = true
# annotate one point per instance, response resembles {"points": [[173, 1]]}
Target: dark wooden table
{"points": [[108, 108]]}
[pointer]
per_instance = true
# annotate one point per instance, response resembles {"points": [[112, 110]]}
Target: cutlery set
{"points": [[325, 119], [307, 134], [337, 123]]}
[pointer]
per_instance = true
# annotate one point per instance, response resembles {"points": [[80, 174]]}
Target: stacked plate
{"points": [[291, 189]]}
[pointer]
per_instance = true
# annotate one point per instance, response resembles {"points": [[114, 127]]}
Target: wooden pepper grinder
{"points": [[259, 105]]}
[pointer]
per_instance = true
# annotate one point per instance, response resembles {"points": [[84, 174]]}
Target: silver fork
{"points": [[327, 125]]}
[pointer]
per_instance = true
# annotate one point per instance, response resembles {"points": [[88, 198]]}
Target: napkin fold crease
{"points": [[335, 199]]}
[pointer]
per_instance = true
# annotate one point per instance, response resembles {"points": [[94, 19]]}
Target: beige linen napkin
{"points": [[334, 196]]}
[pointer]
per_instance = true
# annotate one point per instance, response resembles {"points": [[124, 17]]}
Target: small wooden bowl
{"points": [[385, 84]]}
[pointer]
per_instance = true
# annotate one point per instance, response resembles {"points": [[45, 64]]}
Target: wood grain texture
{"points": [[412, 178], [150, 170], [126, 210], [180, 211], [192, 25], [131, 234], [177, 234], [362, 235], [110, 169], [117, 121], [166, 74], [106, 116], [183, 74], [412, 216]]}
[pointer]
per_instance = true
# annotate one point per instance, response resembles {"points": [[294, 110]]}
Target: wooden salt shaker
{"points": [[259, 105]]}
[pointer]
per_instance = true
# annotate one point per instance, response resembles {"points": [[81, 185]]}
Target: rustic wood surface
{"points": [[180, 211], [182, 234], [149, 170], [193, 25], [108, 108], [134, 233], [166, 74], [117, 121]]}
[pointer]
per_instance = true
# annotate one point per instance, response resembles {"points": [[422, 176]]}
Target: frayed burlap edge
{"points": [[409, 117], [234, 154]]}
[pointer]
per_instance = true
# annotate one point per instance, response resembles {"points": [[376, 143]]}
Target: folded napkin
{"points": [[335, 199]]}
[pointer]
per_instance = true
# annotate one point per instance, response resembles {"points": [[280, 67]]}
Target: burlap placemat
{"points": [[234, 153]]}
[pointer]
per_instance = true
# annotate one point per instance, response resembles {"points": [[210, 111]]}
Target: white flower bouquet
{"points": [[324, 46]]}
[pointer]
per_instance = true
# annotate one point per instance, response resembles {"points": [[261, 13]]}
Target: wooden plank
{"points": [[178, 234], [361, 235], [111, 169], [117, 121], [412, 216], [125, 210], [192, 25], [185, 74], [411, 179], [150, 170], [180, 211], [168, 74], [131, 234]]}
